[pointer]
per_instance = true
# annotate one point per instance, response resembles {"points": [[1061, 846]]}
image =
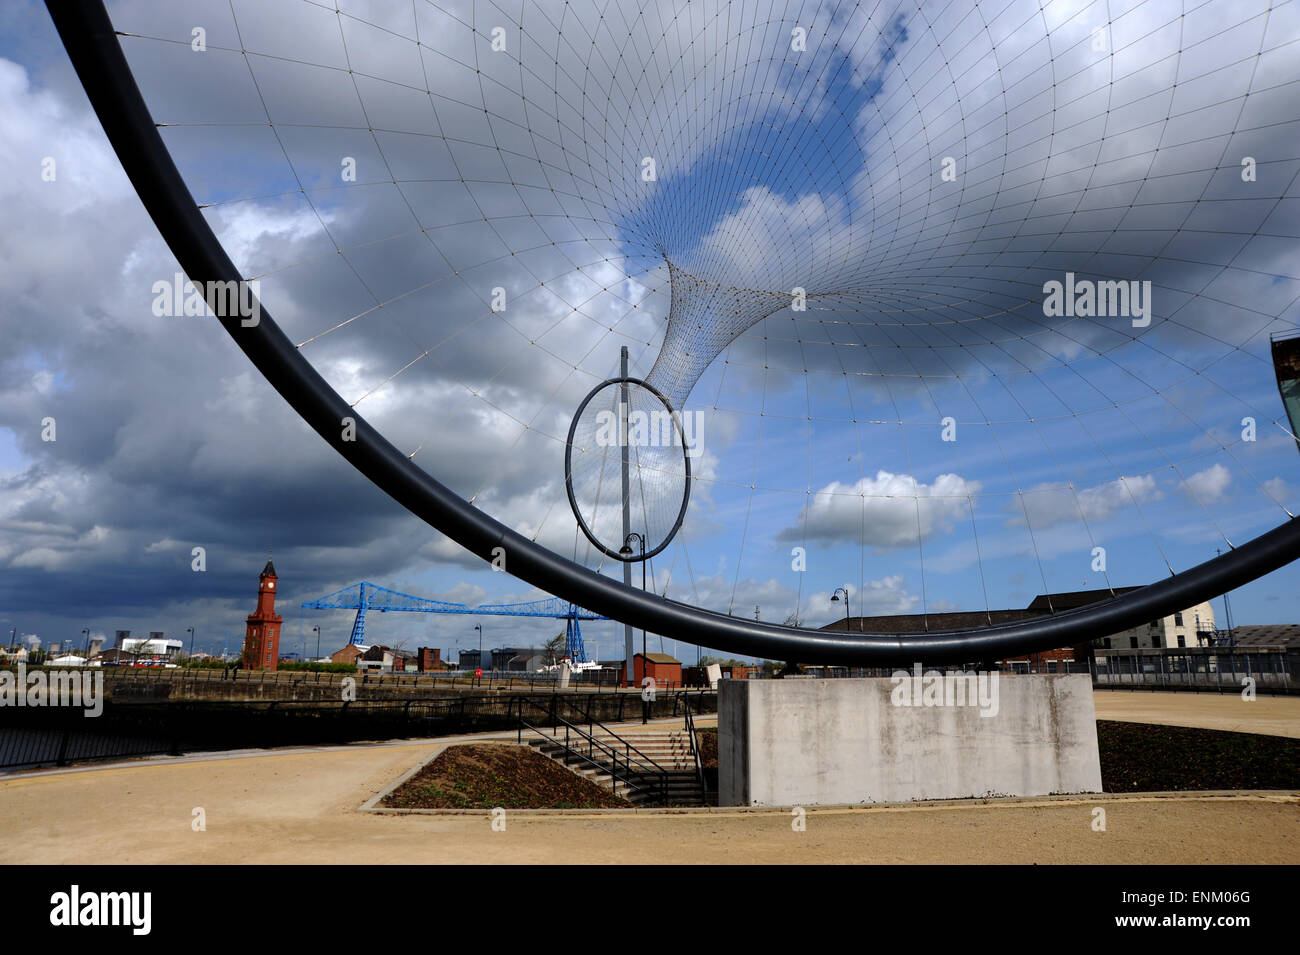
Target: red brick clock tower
{"points": [[262, 639]]}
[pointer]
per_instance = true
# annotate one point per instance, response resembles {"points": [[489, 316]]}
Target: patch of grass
{"points": [[484, 776], [1144, 757]]}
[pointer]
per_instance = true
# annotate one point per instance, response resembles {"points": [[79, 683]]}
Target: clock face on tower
{"points": [[270, 585]]}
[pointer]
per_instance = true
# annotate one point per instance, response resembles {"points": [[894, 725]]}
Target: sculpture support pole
{"points": [[623, 396]]}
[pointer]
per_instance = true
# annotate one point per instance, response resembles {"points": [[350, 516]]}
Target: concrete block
{"points": [[838, 741]]}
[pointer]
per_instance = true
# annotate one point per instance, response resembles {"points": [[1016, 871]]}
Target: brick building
{"points": [[349, 654], [262, 637], [666, 670]]}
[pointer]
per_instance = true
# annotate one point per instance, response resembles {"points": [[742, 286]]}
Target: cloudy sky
{"points": [[924, 433]]}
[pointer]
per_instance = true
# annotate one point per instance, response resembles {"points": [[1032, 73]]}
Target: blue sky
{"points": [[823, 429]]}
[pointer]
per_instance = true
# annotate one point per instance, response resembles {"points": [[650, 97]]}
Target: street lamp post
{"points": [[317, 629], [190, 631], [626, 551], [479, 628], [835, 599], [87, 633]]}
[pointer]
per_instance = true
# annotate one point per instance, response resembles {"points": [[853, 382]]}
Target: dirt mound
{"points": [[484, 776], [1144, 757]]}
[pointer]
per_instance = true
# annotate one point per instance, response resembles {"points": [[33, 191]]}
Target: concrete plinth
{"points": [[836, 741]]}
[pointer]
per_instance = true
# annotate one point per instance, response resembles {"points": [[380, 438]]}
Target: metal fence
{"points": [[1223, 670], [59, 746], [490, 680], [41, 736], [1216, 669]]}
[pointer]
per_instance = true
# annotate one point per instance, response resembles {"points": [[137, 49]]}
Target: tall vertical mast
{"points": [[627, 504]]}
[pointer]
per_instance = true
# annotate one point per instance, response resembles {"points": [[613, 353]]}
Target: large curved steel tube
{"points": [[88, 35]]}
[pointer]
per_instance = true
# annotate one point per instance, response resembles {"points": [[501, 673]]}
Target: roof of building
{"points": [[377, 652], [269, 570], [1268, 635], [1046, 603], [660, 658], [1040, 606], [921, 622]]}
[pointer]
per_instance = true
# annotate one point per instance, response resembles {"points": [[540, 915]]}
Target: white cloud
{"points": [[889, 595], [889, 510], [66, 555], [164, 545], [750, 248], [463, 593], [1209, 485], [1048, 504], [1278, 489]]}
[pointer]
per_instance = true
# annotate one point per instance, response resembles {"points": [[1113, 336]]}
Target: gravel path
{"points": [[302, 806]]}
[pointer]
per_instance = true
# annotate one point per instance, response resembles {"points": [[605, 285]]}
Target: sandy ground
{"points": [[303, 806], [1270, 715]]}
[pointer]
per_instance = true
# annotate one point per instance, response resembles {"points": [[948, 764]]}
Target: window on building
{"points": [[1133, 642], [1178, 620], [1182, 640], [1106, 643]]}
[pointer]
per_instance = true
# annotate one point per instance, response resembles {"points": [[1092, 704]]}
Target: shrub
{"points": [[318, 667]]}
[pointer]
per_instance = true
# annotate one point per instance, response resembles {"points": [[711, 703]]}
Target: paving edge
{"points": [[369, 804]]}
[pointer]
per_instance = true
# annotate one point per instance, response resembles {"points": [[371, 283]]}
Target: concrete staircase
{"points": [[668, 749]]}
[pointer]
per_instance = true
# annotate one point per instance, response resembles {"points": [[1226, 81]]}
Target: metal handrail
{"points": [[606, 749], [611, 767], [695, 747], [627, 747]]}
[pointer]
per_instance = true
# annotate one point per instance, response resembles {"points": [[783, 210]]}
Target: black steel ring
{"points": [[568, 472]]}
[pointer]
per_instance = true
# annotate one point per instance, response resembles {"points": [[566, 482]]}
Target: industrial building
{"points": [[1193, 627]]}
